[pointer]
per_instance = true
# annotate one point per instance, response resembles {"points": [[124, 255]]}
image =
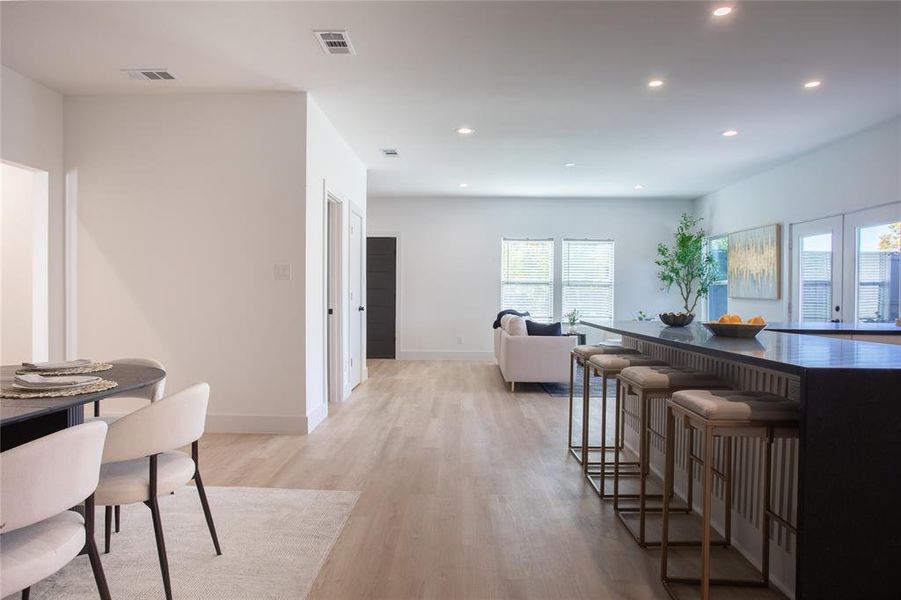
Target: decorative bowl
{"points": [[676, 319], [736, 330]]}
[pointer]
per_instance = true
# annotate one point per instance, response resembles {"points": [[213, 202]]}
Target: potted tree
{"points": [[688, 266]]}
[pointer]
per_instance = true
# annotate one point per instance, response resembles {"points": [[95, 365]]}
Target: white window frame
{"points": [[611, 284], [551, 283], [708, 246]]}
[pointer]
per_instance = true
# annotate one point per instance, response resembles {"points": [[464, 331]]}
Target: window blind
{"points": [[527, 277], [588, 278]]}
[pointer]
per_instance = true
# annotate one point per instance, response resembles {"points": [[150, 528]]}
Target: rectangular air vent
{"points": [[150, 74], [390, 152], [334, 42]]}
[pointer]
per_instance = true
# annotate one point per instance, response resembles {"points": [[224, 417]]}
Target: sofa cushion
{"points": [[507, 311], [514, 325], [533, 328]]}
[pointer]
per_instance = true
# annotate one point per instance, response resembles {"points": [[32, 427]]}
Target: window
{"points": [[527, 277], [717, 301], [587, 279], [878, 272]]}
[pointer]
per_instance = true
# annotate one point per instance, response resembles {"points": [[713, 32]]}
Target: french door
{"points": [[817, 253], [872, 271], [848, 267]]}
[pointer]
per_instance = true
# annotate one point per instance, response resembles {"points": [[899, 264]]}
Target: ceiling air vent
{"points": [[150, 74], [391, 152], [334, 42]]}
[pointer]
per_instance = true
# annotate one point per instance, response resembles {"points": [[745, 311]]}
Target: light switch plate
{"points": [[282, 271]]}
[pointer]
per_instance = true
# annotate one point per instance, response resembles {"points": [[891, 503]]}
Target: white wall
{"points": [[332, 167], [856, 172], [31, 134], [185, 204], [449, 277]]}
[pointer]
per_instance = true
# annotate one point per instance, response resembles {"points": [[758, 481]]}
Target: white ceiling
{"points": [[543, 83]]}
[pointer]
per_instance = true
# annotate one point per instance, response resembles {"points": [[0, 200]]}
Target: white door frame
{"points": [[333, 292], [834, 226], [853, 221], [398, 296], [353, 311]]}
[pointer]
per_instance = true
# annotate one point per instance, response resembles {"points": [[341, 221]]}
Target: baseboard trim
{"points": [[278, 424], [284, 424], [444, 355]]}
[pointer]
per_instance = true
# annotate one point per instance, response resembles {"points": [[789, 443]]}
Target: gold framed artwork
{"points": [[755, 263]]}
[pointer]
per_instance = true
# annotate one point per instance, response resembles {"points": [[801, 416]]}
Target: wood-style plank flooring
{"points": [[466, 491]]}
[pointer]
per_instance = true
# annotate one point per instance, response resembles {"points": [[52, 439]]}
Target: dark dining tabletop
{"points": [[129, 378]]}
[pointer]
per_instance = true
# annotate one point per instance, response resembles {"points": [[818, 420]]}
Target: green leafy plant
{"points": [[687, 264], [572, 317]]}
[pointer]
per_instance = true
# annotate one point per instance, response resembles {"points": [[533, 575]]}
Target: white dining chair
{"points": [[151, 393], [39, 482], [141, 460]]}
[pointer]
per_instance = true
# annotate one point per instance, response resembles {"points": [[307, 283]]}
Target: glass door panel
{"points": [[874, 250], [817, 270]]}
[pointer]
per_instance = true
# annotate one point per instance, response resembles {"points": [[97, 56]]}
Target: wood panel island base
{"points": [[840, 481]]}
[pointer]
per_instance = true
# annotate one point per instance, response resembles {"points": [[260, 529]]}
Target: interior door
{"points": [[381, 296], [355, 299], [873, 264], [816, 288]]}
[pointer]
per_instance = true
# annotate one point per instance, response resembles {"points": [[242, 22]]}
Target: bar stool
{"points": [[608, 366], [725, 414], [580, 356], [651, 384]]}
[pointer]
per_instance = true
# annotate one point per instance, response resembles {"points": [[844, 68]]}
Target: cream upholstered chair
{"points": [[39, 482], [141, 460], [152, 393]]}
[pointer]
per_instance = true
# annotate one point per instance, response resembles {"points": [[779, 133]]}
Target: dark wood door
{"points": [[381, 293]]}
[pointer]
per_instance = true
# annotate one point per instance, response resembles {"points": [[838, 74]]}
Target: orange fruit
{"points": [[758, 320]]}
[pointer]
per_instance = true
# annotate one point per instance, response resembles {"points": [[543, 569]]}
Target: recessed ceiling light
{"points": [[466, 131], [464, 185], [722, 11], [814, 83], [638, 187], [655, 83], [570, 164], [730, 133]]}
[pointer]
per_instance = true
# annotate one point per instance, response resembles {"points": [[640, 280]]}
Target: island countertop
{"points": [[788, 352], [836, 328]]}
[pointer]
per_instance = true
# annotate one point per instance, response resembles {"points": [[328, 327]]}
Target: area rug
{"points": [[274, 542], [561, 390]]}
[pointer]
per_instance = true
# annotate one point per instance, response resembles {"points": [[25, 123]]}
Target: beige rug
{"points": [[273, 542]]}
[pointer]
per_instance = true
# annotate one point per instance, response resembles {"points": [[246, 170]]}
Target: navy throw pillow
{"points": [[534, 328]]}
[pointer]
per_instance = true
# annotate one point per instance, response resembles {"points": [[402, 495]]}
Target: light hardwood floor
{"points": [[466, 491]]}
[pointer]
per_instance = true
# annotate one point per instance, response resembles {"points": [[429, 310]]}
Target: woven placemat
{"points": [[100, 386], [92, 368]]}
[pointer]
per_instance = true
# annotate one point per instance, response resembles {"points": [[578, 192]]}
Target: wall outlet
{"points": [[282, 271], [459, 339]]}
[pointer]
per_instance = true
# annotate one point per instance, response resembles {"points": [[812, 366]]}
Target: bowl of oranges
{"points": [[733, 326]]}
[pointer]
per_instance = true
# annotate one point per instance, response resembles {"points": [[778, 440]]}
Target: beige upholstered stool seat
{"points": [[622, 361], [665, 377], [736, 405], [588, 351]]}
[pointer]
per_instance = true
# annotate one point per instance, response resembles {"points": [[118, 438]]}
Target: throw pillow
{"points": [[534, 328], [517, 325]]}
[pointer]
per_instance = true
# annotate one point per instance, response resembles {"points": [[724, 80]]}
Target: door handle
{"points": [[361, 309]]}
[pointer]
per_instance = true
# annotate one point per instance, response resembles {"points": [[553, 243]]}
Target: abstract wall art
{"points": [[755, 261]]}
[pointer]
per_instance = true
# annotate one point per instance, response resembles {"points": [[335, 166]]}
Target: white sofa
{"points": [[532, 358]]}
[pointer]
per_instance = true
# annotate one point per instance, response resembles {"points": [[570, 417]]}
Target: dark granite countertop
{"points": [[837, 328], [775, 350]]}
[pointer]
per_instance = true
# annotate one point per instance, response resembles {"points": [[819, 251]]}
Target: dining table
{"points": [[24, 420]]}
